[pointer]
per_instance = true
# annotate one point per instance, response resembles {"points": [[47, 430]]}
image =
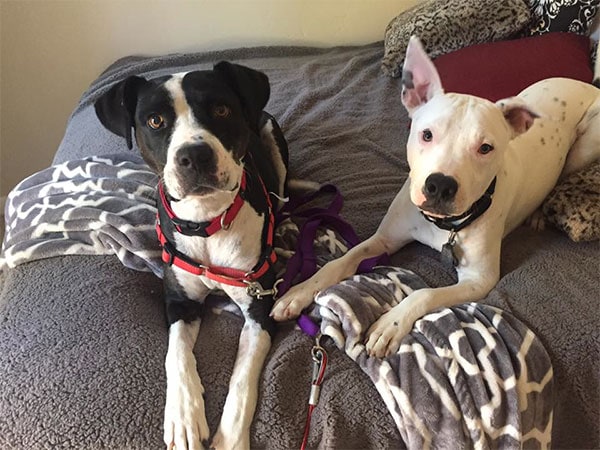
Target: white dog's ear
{"points": [[420, 78], [518, 114]]}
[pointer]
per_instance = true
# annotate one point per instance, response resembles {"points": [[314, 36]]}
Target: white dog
{"points": [[477, 171]]}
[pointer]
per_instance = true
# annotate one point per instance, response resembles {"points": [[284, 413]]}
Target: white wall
{"points": [[51, 50]]}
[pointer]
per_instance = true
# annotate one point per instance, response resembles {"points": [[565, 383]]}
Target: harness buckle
{"points": [[169, 250], [189, 228]]}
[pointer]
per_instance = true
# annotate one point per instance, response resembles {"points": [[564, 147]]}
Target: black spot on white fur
{"points": [[407, 79]]}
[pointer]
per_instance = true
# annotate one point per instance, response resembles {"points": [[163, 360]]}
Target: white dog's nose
{"points": [[440, 188]]}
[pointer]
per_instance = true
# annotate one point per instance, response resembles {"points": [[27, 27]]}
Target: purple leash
{"points": [[303, 264]]}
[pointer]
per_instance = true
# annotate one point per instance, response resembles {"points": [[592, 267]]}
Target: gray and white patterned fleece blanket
{"points": [[471, 376], [96, 206]]}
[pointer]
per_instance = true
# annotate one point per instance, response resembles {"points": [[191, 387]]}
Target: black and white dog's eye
{"points": [[221, 111], [155, 121], [427, 135], [485, 149]]}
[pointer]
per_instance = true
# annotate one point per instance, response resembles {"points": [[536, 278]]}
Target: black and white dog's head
{"points": [[192, 128]]}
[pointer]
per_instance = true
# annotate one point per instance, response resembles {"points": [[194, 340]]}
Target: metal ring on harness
{"points": [[223, 226]]}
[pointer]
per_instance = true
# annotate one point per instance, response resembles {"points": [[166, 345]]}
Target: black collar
{"points": [[457, 223]]}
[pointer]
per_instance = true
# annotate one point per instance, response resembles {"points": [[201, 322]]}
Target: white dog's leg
{"points": [[385, 335], [238, 412], [478, 273], [393, 233], [185, 424], [586, 148], [302, 295]]}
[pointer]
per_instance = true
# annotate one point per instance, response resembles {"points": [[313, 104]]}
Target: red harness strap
{"points": [[225, 275], [208, 228]]}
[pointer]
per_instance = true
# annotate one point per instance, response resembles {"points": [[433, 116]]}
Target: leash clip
{"points": [[319, 357], [255, 289]]}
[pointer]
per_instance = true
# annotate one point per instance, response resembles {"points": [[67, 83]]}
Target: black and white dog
{"points": [[219, 157]]}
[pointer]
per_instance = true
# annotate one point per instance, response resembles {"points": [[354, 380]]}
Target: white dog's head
{"points": [[457, 142]]}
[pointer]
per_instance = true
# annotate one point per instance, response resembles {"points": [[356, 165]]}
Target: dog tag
{"points": [[448, 255]]}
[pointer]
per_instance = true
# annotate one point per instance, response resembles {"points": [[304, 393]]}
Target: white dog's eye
{"points": [[155, 121], [485, 149], [427, 135]]}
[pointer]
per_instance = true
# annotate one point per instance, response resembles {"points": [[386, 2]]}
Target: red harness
{"points": [[225, 275], [205, 229]]}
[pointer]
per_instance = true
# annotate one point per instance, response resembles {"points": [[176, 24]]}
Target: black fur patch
{"points": [[259, 311], [178, 306], [407, 79]]}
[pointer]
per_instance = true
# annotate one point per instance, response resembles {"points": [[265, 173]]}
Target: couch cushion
{"points": [[502, 69], [574, 204], [447, 25]]}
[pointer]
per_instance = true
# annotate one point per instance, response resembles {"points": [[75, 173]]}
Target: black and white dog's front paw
{"points": [[185, 425], [230, 440]]}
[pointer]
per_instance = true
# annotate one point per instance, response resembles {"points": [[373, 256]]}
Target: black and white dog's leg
{"points": [[254, 345], [185, 426]]}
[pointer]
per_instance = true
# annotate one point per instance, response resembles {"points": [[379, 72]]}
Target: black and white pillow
{"points": [[573, 16], [447, 25]]}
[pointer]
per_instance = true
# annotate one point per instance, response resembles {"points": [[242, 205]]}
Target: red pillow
{"points": [[502, 69]]}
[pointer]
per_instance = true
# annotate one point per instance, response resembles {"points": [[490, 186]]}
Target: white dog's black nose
{"points": [[440, 188], [195, 158]]}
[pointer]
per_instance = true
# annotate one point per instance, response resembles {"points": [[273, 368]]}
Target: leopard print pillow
{"points": [[447, 25], [574, 204]]}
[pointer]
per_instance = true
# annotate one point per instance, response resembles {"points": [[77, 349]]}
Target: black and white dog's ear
{"points": [[251, 86], [116, 107]]}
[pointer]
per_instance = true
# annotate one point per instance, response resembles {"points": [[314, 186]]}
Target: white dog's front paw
{"points": [[231, 440], [293, 302], [537, 220], [385, 335], [185, 426], [302, 295]]}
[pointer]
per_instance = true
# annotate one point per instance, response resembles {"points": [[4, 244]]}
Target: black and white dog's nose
{"points": [[195, 157], [439, 187]]}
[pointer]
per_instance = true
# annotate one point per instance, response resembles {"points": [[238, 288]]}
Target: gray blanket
{"points": [[82, 338], [486, 377], [96, 206]]}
